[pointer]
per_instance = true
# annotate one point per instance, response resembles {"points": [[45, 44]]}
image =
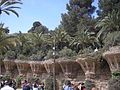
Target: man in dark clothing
{"points": [[26, 86]]}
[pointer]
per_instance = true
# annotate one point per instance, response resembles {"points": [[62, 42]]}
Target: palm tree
{"points": [[61, 38], [23, 46], [6, 41], [8, 6], [82, 40], [36, 39], [112, 39], [109, 23]]}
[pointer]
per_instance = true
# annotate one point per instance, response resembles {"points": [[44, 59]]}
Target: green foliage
{"points": [[49, 54], [34, 79], [4, 29], [22, 57], [38, 28], [77, 9], [75, 35], [8, 6], [107, 6], [6, 41], [61, 38], [36, 57], [66, 52], [86, 51], [116, 74], [5, 77], [109, 23], [89, 84], [112, 39], [19, 78], [23, 45], [49, 83], [10, 55], [90, 55], [1, 57], [114, 84], [83, 40]]}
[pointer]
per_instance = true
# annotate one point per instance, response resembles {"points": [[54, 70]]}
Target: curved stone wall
{"points": [[79, 69]]}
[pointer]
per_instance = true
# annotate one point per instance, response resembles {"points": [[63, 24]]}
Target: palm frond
{"points": [[2, 2], [7, 6], [6, 12], [13, 11]]}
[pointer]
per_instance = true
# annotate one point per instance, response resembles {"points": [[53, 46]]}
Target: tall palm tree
{"points": [[6, 41], [23, 44], [36, 39], [82, 40], [61, 38], [8, 6], [109, 23]]}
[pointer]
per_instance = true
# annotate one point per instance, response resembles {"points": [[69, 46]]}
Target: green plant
{"points": [[34, 79], [49, 54], [89, 84], [1, 57], [8, 6], [6, 77], [66, 52], [116, 74], [10, 55], [49, 83], [114, 84], [19, 78], [36, 57], [22, 57]]}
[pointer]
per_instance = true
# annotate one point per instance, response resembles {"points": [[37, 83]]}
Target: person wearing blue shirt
{"points": [[68, 86]]}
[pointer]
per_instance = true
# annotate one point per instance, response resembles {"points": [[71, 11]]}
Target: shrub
{"points": [[89, 84], [36, 57], [1, 57], [114, 84], [116, 74], [22, 57], [66, 52], [49, 84], [34, 79], [10, 55], [50, 55], [6, 77], [18, 80]]}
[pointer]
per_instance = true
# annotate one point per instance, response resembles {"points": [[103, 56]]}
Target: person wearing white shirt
{"points": [[7, 86]]}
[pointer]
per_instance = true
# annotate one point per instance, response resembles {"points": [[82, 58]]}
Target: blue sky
{"points": [[48, 12]]}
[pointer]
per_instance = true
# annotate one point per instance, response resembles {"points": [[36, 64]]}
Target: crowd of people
{"points": [[25, 85], [8, 85], [11, 85], [35, 86], [70, 86], [77, 86]]}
